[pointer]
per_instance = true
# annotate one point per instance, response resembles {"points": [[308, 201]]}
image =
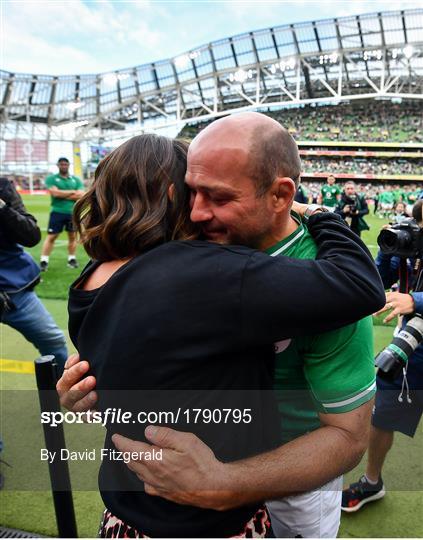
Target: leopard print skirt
{"points": [[113, 527]]}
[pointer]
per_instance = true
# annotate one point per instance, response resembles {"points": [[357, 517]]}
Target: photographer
{"points": [[20, 307], [398, 402], [352, 207]]}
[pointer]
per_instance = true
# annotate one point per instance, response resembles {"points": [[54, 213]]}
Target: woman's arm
{"points": [[284, 297]]}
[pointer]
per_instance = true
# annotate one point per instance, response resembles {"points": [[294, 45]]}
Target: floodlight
{"points": [[109, 79], [239, 76], [184, 59], [333, 57], [408, 51], [181, 61], [74, 105], [291, 63]]}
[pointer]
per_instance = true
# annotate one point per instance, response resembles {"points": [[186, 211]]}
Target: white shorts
{"points": [[315, 514], [386, 206]]}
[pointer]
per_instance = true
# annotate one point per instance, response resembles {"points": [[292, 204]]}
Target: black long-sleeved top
{"points": [[16, 225], [192, 325], [17, 228]]}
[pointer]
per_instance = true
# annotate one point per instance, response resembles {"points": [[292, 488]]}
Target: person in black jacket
{"points": [[20, 307], [353, 207]]}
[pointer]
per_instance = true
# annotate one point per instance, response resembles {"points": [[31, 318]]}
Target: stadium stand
{"points": [[370, 120]]}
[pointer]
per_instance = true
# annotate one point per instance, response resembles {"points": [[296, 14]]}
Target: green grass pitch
{"points": [[397, 515]]}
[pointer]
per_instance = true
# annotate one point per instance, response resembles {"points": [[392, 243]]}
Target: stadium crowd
{"points": [[364, 121], [375, 166], [369, 121]]}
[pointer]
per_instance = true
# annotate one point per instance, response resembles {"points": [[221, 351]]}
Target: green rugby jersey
{"points": [[63, 206], [411, 197], [329, 195], [329, 373], [398, 195], [386, 197]]}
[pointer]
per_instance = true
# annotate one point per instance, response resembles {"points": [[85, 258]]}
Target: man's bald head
{"points": [[269, 150]]}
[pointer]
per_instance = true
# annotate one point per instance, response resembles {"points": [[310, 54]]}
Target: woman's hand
{"points": [[76, 393]]}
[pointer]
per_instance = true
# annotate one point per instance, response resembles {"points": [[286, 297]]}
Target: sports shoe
{"points": [[360, 493], [72, 263], [43, 266]]}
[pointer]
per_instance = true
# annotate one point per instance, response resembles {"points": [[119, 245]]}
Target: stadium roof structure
{"points": [[378, 55]]}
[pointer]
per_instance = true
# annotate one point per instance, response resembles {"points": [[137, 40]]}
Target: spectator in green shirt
{"points": [[65, 190]]}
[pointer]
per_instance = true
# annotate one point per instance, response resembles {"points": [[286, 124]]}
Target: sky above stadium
{"points": [[74, 36]]}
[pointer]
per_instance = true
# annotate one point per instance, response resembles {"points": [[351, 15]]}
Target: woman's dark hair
{"points": [[127, 210]]}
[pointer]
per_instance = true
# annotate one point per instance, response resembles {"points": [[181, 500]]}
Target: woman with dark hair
{"points": [[173, 323]]}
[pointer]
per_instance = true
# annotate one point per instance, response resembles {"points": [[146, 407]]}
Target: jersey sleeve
{"points": [[339, 367], [283, 297], [49, 181], [79, 183]]}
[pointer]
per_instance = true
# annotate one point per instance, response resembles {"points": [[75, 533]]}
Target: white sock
{"points": [[371, 482], [44, 258], [71, 257]]}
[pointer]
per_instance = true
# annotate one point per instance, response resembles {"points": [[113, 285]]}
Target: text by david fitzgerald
{"points": [[105, 453]]}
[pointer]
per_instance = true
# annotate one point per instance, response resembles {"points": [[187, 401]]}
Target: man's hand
{"points": [[61, 193], [399, 303], [75, 394], [76, 195], [189, 472]]}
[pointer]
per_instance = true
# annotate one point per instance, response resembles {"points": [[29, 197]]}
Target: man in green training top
{"points": [[324, 383], [65, 190], [330, 193], [386, 202], [411, 196]]}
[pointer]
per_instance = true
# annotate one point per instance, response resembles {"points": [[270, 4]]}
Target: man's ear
{"points": [[171, 192], [283, 192]]}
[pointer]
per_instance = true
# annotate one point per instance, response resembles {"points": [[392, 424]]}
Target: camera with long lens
{"points": [[403, 240], [392, 359]]}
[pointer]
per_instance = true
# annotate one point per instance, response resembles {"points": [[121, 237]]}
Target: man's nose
{"points": [[200, 210]]}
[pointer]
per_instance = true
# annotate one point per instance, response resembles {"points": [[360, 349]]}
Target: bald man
{"points": [[243, 171]]}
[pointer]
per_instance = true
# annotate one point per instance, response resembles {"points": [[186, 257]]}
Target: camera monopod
{"points": [[45, 373]]}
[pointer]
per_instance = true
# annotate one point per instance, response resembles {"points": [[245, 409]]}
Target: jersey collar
{"points": [[286, 243]]}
